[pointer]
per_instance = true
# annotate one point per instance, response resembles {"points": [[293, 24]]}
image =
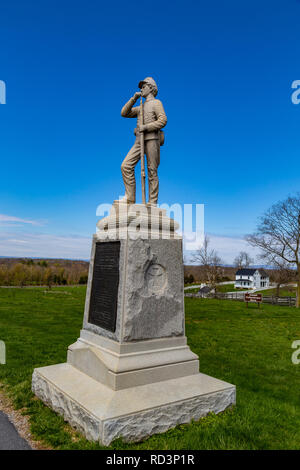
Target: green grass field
{"points": [[220, 288], [228, 288], [283, 292], [250, 348], [192, 291]]}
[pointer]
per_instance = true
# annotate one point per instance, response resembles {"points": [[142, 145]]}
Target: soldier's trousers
{"points": [[152, 150]]}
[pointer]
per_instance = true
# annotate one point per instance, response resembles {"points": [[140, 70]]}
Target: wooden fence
{"points": [[266, 299]]}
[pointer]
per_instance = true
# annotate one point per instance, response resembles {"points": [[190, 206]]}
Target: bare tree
{"points": [[278, 235], [281, 274], [243, 260], [210, 262]]}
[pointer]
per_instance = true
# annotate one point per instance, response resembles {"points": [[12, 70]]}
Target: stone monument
{"points": [[131, 373]]}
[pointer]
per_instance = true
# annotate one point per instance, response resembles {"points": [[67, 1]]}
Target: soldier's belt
{"points": [[152, 135]]}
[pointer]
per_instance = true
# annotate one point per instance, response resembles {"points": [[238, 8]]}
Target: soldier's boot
{"points": [[125, 200]]}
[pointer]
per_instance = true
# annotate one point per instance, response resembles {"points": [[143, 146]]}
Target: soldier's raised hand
{"points": [[137, 95]]}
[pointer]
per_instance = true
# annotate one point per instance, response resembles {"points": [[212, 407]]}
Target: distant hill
{"points": [[228, 272], [58, 262], [42, 271]]}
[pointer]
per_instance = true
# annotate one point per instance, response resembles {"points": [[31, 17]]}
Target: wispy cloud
{"points": [[78, 247], [228, 247], [44, 245], [9, 220]]}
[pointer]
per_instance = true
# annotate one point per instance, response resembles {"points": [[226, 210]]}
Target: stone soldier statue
{"points": [[154, 119]]}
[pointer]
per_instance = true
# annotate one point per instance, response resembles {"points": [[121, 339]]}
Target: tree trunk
{"points": [[298, 287], [277, 290]]}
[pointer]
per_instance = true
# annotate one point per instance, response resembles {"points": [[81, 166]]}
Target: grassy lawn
{"points": [[220, 288], [192, 291], [283, 292], [228, 288], [250, 348]]}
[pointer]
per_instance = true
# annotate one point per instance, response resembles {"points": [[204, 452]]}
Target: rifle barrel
{"points": [[142, 156]]}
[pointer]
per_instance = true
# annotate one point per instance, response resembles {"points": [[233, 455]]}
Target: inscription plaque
{"points": [[105, 284]]}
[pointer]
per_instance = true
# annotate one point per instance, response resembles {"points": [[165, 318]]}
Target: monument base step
{"points": [[103, 414], [130, 365]]}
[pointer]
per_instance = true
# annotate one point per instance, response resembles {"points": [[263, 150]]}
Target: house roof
{"points": [[205, 289], [263, 272], [246, 271], [251, 271]]}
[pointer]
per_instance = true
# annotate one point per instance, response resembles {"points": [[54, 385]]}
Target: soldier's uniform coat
{"points": [[154, 119]]}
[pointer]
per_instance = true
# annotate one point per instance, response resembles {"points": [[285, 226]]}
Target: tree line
{"points": [[42, 273]]}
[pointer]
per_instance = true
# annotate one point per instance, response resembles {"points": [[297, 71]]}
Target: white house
{"points": [[251, 278]]}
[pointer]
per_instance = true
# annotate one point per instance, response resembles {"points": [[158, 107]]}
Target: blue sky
{"points": [[224, 71]]}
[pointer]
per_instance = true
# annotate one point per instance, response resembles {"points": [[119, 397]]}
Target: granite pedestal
{"points": [[131, 373]]}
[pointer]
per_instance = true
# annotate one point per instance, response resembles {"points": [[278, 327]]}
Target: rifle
{"points": [[143, 174]]}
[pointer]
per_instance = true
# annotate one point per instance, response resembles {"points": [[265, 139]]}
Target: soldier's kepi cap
{"points": [[149, 80]]}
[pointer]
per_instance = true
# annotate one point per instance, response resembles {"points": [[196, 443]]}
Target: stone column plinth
{"points": [[131, 373]]}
